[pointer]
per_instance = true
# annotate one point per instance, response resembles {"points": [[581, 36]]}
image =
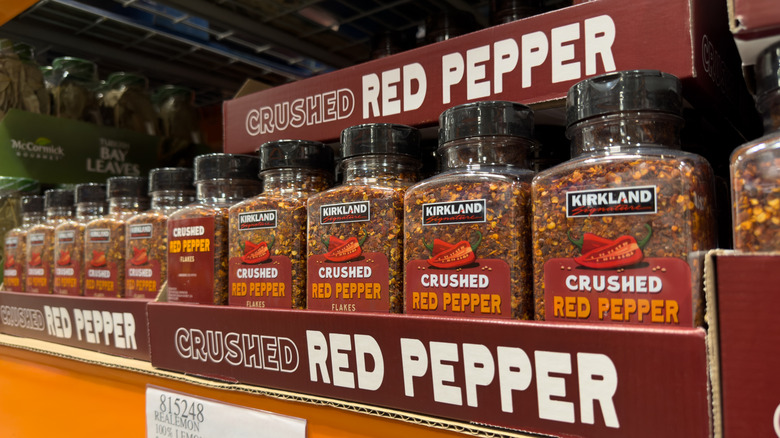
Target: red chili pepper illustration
{"points": [[623, 251], [64, 258], [344, 250], [9, 262], [445, 255], [98, 259], [35, 259], [255, 253], [140, 257], [589, 241]]}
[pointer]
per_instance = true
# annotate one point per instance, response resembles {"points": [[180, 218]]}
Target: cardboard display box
{"points": [[533, 61], [106, 325]]}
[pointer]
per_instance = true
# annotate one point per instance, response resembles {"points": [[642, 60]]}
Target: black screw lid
{"points": [[90, 193], [488, 118], [380, 138], [32, 204], [58, 198], [634, 90], [127, 187], [767, 69], [296, 154], [219, 166], [171, 178]]}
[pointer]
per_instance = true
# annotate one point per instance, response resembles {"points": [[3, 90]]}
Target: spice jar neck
{"points": [[491, 151], [125, 205], [294, 182], [86, 211], [387, 170], [226, 190], [164, 200], [769, 107], [58, 213], [30, 219], [625, 132]]}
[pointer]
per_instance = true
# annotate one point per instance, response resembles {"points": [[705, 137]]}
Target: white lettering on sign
{"points": [[308, 111], [237, 349], [776, 421], [116, 328], [331, 357], [437, 363], [381, 95]]}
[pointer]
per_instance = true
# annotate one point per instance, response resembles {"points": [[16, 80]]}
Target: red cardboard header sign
{"points": [[544, 378], [532, 60]]}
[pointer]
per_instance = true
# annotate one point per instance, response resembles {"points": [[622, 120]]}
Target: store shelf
{"points": [[53, 390]]}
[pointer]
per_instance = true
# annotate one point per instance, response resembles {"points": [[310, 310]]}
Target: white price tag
{"points": [[171, 414]]}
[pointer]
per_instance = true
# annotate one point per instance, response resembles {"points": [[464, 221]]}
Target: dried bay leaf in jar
{"points": [[355, 230], [617, 229], [198, 233], [467, 229], [268, 232]]}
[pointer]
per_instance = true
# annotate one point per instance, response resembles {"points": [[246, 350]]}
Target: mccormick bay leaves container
{"points": [[40, 241], [198, 234], [268, 232], [616, 229], [69, 239], [146, 234], [467, 230], [104, 245], [15, 244], [355, 230], [755, 167]]}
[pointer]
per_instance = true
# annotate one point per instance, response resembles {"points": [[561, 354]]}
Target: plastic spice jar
{"points": [[467, 230], [755, 167], [11, 191], [268, 232], [104, 246], [355, 234], [69, 239], [40, 241], [198, 233], [146, 253], [617, 228], [73, 93], [15, 251]]}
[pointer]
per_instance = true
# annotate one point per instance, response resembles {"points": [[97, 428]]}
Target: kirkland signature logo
{"points": [[347, 212], [253, 220], [611, 202], [458, 212], [42, 148]]}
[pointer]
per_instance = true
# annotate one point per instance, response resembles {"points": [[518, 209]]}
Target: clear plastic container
{"points": [[268, 232], [617, 229], [74, 89], [15, 244], [125, 103], [69, 239], [198, 234], [355, 230], [39, 253], [467, 230], [34, 96], [104, 246], [755, 167], [146, 254], [178, 116]]}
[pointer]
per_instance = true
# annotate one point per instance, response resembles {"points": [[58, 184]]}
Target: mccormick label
{"points": [[141, 231], [346, 212], [458, 212], [67, 269], [454, 281], [143, 271], [254, 220], [12, 268], [611, 202], [38, 269], [191, 267]]}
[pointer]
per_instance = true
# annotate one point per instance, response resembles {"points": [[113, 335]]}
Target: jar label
{"points": [[104, 259], [457, 212], [12, 266], [142, 276], [479, 288], [611, 202], [98, 235], [68, 264], [38, 269], [145, 257], [140, 231], [191, 262], [345, 212], [653, 291], [265, 283], [359, 284], [254, 220]]}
